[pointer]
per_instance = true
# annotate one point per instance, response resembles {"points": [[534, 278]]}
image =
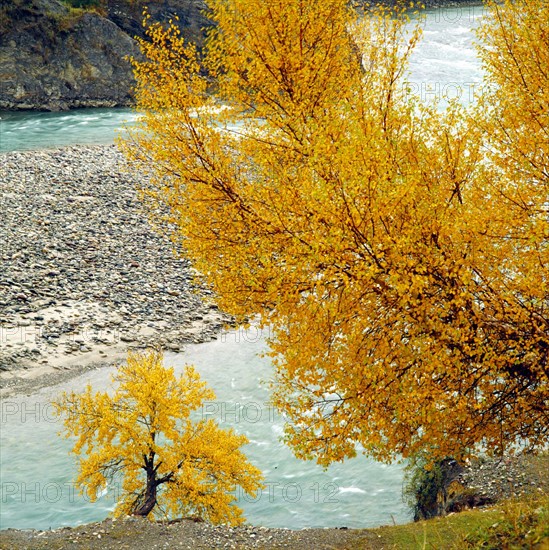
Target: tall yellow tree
{"points": [[309, 190], [144, 435]]}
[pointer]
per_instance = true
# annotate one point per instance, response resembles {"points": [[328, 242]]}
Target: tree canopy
{"points": [[398, 253], [144, 436]]}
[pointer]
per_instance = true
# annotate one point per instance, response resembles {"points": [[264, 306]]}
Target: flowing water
{"points": [[445, 64], [36, 475], [37, 471], [27, 130]]}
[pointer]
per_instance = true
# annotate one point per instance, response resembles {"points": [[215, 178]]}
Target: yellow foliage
{"points": [[144, 435], [399, 254]]}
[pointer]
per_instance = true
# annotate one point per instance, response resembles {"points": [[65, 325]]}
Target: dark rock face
{"points": [[190, 13], [54, 58]]}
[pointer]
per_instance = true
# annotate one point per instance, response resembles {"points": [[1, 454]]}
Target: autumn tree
{"points": [[363, 227], [513, 113], [169, 463]]}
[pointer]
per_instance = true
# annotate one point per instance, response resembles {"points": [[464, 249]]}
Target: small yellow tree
{"points": [[145, 435]]}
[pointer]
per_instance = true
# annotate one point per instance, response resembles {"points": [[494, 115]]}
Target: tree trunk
{"points": [[145, 504]]}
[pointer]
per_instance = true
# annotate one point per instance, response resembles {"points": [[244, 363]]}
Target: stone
{"points": [[87, 55]]}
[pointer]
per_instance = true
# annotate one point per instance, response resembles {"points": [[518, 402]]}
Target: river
{"points": [[36, 472]]}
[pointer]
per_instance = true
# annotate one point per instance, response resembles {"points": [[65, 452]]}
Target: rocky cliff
{"points": [[53, 57]]}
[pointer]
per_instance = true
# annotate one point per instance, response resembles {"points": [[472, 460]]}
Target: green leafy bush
{"points": [[85, 4], [426, 485]]}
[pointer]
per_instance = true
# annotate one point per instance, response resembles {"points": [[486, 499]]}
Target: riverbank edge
{"points": [[517, 523]]}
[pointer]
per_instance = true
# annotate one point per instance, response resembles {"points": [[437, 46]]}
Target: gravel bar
{"points": [[84, 276]]}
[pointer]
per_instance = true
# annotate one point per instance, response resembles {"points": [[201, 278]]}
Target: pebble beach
{"points": [[84, 276]]}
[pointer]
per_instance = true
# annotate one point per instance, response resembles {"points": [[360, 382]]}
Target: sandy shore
{"points": [[84, 277]]}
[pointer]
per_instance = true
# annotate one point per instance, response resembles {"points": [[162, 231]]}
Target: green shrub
{"points": [[85, 4], [426, 484]]}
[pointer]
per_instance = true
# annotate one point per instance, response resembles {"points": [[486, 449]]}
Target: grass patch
{"points": [[82, 6], [522, 525], [509, 525], [437, 533]]}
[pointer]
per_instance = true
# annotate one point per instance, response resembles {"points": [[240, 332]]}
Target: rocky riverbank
{"points": [[186, 533], [84, 277]]}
